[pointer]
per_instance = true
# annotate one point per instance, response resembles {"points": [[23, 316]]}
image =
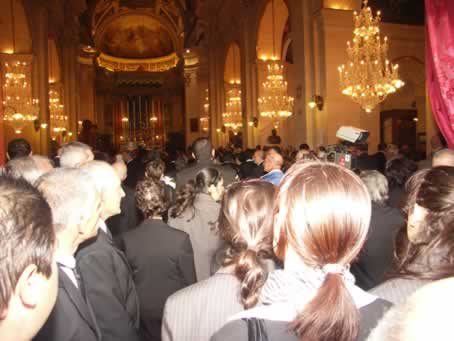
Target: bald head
{"points": [[429, 306], [444, 157], [273, 161]]}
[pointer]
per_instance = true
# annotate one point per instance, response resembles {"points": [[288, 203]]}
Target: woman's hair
{"points": [[376, 184], [433, 190], [322, 212], [154, 169], [246, 225], [399, 170], [185, 197], [150, 198]]}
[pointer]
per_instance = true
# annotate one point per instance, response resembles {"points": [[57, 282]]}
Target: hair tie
{"points": [[334, 269]]}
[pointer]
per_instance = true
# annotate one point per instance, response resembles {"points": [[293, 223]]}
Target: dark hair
{"points": [[202, 149], [399, 170], [150, 198], [322, 211], [246, 224], [433, 190], [227, 157], [185, 197], [304, 146], [155, 170], [19, 148], [26, 234]]}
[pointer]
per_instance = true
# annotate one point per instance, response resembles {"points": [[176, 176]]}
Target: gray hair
{"points": [[444, 157], [102, 174], [28, 167], [71, 195], [74, 154], [377, 185]]}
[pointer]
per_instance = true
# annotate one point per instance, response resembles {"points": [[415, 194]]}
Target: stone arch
{"points": [[14, 23]]}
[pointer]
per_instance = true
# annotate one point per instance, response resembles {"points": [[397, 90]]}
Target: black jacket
{"points": [[163, 262], [110, 288], [250, 170], [128, 218], [72, 318]]}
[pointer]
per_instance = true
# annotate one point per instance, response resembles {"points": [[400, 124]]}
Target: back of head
{"points": [[245, 223], [377, 185], [399, 170], [27, 167], [71, 195], [18, 148], [121, 169], [75, 154], [276, 160], [202, 149], [426, 315], [150, 198], [207, 177], [26, 235], [305, 146], [322, 216], [155, 169], [444, 157], [102, 174]]}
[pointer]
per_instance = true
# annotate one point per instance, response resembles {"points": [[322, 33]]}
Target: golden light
{"points": [[44, 125], [312, 104], [218, 130], [250, 123], [8, 51]]}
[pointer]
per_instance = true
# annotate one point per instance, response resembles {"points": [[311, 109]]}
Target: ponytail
{"points": [[184, 198], [330, 315]]}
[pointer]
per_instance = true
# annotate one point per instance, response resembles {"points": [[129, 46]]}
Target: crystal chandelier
{"points": [[19, 107], [58, 121], [275, 102], [368, 77], [233, 117], [205, 119]]}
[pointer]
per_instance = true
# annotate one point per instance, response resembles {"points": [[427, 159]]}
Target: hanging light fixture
{"points": [[275, 102], [58, 122], [233, 116], [368, 77], [205, 119]]}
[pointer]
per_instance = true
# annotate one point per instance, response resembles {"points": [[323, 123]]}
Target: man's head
{"points": [[120, 168], [273, 161], [28, 274], [75, 154], [305, 146], [444, 157], [202, 149], [429, 306], [29, 167], [258, 157], [377, 186], [75, 205], [108, 184], [392, 151], [18, 148]]}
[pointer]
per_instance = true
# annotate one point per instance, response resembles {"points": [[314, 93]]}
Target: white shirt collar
{"points": [[102, 225], [66, 261]]}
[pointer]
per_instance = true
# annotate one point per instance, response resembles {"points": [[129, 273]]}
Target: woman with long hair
{"points": [[321, 219], [245, 224], [195, 212], [426, 252]]}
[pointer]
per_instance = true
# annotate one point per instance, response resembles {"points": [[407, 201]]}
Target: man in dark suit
{"points": [[248, 168], [161, 256], [106, 274], [364, 161], [135, 165], [75, 211], [203, 153]]}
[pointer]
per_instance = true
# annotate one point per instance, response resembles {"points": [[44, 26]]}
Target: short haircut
{"points": [[74, 154], [18, 148], [26, 234], [444, 157], [26, 167], [155, 169], [102, 174], [70, 193], [202, 148], [377, 185], [150, 198], [304, 146]]}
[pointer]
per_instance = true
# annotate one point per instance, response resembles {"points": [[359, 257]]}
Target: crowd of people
{"points": [[259, 244]]}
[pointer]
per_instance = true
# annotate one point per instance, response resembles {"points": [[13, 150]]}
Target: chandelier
{"points": [[233, 117], [275, 102], [19, 107], [205, 119], [368, 77], [58, 121]]}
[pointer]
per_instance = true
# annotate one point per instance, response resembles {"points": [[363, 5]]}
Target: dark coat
{"points": [[71, 319], [190, 172], [163, 262], [376, 257], [250, 170], [110, 288], [128, 217], [136, 172]]}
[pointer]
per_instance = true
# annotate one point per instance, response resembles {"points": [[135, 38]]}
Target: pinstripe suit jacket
{"points": [[198, 311]]}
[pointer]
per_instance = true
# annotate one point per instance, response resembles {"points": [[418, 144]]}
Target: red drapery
{"points": [[440, 64]]}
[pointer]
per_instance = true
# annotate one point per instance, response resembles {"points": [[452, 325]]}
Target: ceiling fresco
{"points": [[136, 36]]}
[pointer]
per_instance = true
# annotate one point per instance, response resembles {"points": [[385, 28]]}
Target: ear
{"points": [[7, 156], [213, 153], [193, 156], [29, 286]]}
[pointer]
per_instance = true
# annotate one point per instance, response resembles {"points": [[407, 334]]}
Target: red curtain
{"points": [[440, 64]]}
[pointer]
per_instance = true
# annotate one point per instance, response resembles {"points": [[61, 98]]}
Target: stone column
{"points": [[70, 82], [192, 99]]}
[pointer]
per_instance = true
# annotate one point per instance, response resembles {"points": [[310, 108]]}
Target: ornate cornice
{"points": [[144, 65]]}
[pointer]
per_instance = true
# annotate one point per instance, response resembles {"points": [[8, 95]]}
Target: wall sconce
{"points": [[254, 123], [317, 102], [38, 125]]}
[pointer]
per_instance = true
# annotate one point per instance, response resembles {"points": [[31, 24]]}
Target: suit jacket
{"points": [[110, 288], [366, 162], [376, 257], [136, 172], [229, 173], [190, 172], [250, 170], [163, 263], [198, 224], [72, 318], [274, 177], [198, 311], [128, 217]]}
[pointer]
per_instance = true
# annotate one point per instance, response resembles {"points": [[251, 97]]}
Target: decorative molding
{"points": [[145, 65]]}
